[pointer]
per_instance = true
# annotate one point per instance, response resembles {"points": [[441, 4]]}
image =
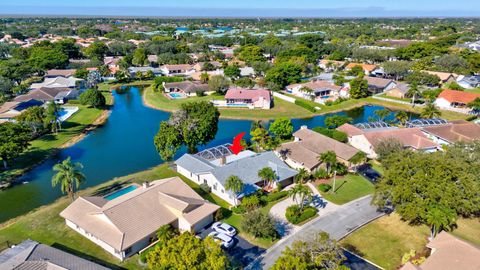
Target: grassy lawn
{"points": [[348, 188], [45, 145], [281, 108], [395, 98], [113, 84], [475, 90], [468, 229], [385, 240]]}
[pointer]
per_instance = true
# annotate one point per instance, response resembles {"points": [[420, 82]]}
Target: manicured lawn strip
{"points": [[475, 90], [468, 229], [112, 85], [348, 188], [395, 98], [385, 240], [45, 145]]}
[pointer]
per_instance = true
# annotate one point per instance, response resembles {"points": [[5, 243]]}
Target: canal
{"points": [[122, 146]]}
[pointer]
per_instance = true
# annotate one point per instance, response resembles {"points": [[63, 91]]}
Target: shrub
{"points": [[239, 209], [219, 214], [200, 93], [332, 133], [340, 168], [250, 202], [205, 188], [275, 196], [93, 98], [320, 174], [259, 224], [295, 216], [305, 105], [324, 187]]}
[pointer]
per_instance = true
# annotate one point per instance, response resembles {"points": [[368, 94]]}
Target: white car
{"points": [[224, 228], [226, 240]]}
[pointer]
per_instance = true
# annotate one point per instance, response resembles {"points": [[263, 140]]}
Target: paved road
{"points": [[338, 224]]}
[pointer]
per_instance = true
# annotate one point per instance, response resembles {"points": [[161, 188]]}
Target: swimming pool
{"points": [[120, 192], [176, 95], [66, 112]]}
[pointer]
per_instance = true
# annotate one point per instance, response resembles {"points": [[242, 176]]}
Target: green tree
{"points": [[335, 121], [329, 158], [47, 57], [167, 141], [382, 114], [68, 176], [359, 158], [187, 252], [33, 117], [319, 252], [397, 69], [52, 117], [139, 57], [302, 176], [245, 82], [422, 78], [13, 141], [204, 77], [232, 71], [387, 147], [218, 83], [402, 117], [268, 176], [358, 88], [96, 51], [475, 104], [414, 92], [251, 53], [259, 224], [440, 218], [93, 98], [284, 74], [260, 137], [281, 127], [430, 111], [235, 185], [301, 192]]}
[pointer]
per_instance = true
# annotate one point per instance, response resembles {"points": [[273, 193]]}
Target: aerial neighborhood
{"points": [[266, 143]]}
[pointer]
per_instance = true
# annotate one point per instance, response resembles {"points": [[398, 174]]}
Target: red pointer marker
{"points": [[237, 147]]}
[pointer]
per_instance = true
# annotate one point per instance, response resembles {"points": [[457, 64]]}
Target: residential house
{"points": [[199, 67], [11, 109], [153, 60], [247, 72], [32, 255], [469, 82], [213, 166], [112, 61], [308, 145], [255, 98], [367, 68], [60, 82], [126, 221], [177, 70], [197, 76], [143, 70], [367, 139], [445, 77], [318, 91], [399, 91], [379, 85], [330, 65], [455, 99], [452, 132], [59, 94], [187, 88], [448, 252], [66, 73]]}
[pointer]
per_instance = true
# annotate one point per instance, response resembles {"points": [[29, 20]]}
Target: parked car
{"points": [[224, 228], [227, 241], [369, 173]]}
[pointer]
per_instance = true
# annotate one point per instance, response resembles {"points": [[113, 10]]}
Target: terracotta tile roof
{"points": [[410, 137], [460, 131], [187, 86], [366, 67], [378, 82], [444, 76], [60, 72], [253, 94], [129, 218], [458, 96], [351, 130]]}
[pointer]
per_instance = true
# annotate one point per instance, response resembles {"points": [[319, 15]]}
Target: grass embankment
{"points": [[385, 240], [45, 225], [108, 86], [281, 108], [73, 129], [348, 188]]}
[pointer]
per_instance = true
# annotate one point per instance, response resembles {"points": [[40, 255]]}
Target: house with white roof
{"points": [[213, 166], [60, 82]]}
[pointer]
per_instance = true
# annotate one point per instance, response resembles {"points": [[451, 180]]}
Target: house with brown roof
{"points": [[367, 68], [252, 98], [186, 88], [307, 146], [455, 131], [330, 65], [319, 91], [10, 110], [200, 65], [60, 95], [445, 77], [448, 252], [455, 99], [367, 139], [379, 85], [52, 73], [126, 221], [177, 70], [399, 91]]}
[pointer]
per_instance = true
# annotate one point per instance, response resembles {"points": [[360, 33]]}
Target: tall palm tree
{"points": [[302, 175], [235, 185], [301, 192], [68, 176], [329, 158], [440, 218], [52, 117], [430, 111], [402, 117], [267, 175], [414, 92]]}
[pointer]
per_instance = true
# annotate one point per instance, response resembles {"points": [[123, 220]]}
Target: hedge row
{"points": [[275, 196], [295, 216], [305, 105], [332, 133]]}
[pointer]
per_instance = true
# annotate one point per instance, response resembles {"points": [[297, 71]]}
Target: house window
{"points": [[223, 191], [205, 181], [215, 186]]}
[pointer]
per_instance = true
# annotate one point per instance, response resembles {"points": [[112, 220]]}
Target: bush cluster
{"points": [[332, 133], [275, 196], [324, 187], [295, 215]]}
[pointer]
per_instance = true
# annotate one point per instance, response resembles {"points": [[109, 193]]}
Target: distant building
{"points": [[452, 132], [31, 255], [469, 82], [399, 91], [367, 68], [59, 95], [379, 85], [143, 70], [60, 82], [445, 77], [187, 88], [10, 110], [177, 70], [256, 98], [319, 91], [66, 73], [455, 99]]}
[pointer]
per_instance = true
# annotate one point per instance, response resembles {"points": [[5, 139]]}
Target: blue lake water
{"points": [[122, 146]]}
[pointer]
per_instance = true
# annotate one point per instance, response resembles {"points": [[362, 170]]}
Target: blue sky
{"points": [[227, 8]]}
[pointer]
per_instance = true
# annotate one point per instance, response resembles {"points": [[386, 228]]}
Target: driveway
{"points": [[339, 223], [242, 252]]}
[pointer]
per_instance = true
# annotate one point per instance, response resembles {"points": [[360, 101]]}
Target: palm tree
{"points": [[440, 218], [68, 176], [302, 192], [329, 158], [430, 111], [267, 175], [204, 77], [414, 92], [235, 185], [401, 117], [358, 158], [302, 175], [52, 116]]}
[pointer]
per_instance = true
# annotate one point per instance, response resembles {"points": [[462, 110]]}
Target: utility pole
{"points": [[334, 180]]}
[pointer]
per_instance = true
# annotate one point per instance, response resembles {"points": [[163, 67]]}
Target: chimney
{"points": [[146, 185], [223, 160]]}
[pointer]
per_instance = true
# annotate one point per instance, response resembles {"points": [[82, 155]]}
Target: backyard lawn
{"points": [[44, 146], [348, 188]]}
